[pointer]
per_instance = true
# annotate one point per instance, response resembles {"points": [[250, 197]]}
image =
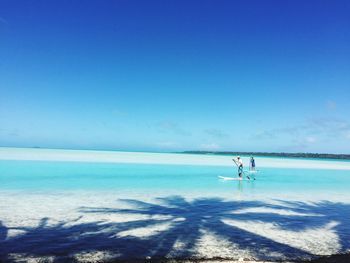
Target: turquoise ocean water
{"points": [[60, 176]]}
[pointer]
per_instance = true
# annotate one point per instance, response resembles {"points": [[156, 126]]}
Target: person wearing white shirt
{"points": [[239, 163]]}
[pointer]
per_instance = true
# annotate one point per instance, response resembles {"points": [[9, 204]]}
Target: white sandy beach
{"points": [[57, 215], [159, 158]]}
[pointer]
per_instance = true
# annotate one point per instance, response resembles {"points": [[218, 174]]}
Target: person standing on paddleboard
{"points": [[239, 164], [252, 164]]}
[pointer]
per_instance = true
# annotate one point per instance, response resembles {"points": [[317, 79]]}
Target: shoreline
{"points": [[27, 154]]}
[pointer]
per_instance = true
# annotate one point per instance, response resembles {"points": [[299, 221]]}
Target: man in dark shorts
{"points": [[252, 164]]}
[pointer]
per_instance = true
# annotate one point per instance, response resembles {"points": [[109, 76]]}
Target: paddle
{"points": [[242, 169]]}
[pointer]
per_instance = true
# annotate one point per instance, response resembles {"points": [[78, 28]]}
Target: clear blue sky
{"points": [[176, 75]]}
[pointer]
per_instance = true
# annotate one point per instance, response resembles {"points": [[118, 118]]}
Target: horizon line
{"points": [[182, 151]]}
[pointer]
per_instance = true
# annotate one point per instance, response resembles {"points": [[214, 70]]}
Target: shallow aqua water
{"points": [[51, 176]]}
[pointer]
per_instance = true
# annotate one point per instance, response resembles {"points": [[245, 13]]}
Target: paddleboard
{"points": [[231, 178], [251, 172]]}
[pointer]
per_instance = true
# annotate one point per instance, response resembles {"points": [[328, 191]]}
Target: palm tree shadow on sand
{"points": [[184, 223]]}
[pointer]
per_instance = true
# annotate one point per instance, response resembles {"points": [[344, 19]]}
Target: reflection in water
{"points": [[244, 186], [239, 188]]}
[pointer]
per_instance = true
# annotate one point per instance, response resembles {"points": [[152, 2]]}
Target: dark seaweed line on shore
{"points": [[338, 258]]}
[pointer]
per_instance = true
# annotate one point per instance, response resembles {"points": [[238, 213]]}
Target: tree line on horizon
{"points": [[278, 154]]}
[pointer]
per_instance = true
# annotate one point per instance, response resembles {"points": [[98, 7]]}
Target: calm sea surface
{"points": [[33, 176]]}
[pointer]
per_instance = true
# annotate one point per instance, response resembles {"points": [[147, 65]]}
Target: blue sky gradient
{"points": [[176, 75]]}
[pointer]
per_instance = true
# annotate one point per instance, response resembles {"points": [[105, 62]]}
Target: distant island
{"points": [[280, 154]]}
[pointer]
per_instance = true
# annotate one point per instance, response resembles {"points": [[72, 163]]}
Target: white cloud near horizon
{"points": [[329, 127], [209, 147], [216, 133], [172, 127], [310, 133], [166, 145], [119, 113], [331, 105]]}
